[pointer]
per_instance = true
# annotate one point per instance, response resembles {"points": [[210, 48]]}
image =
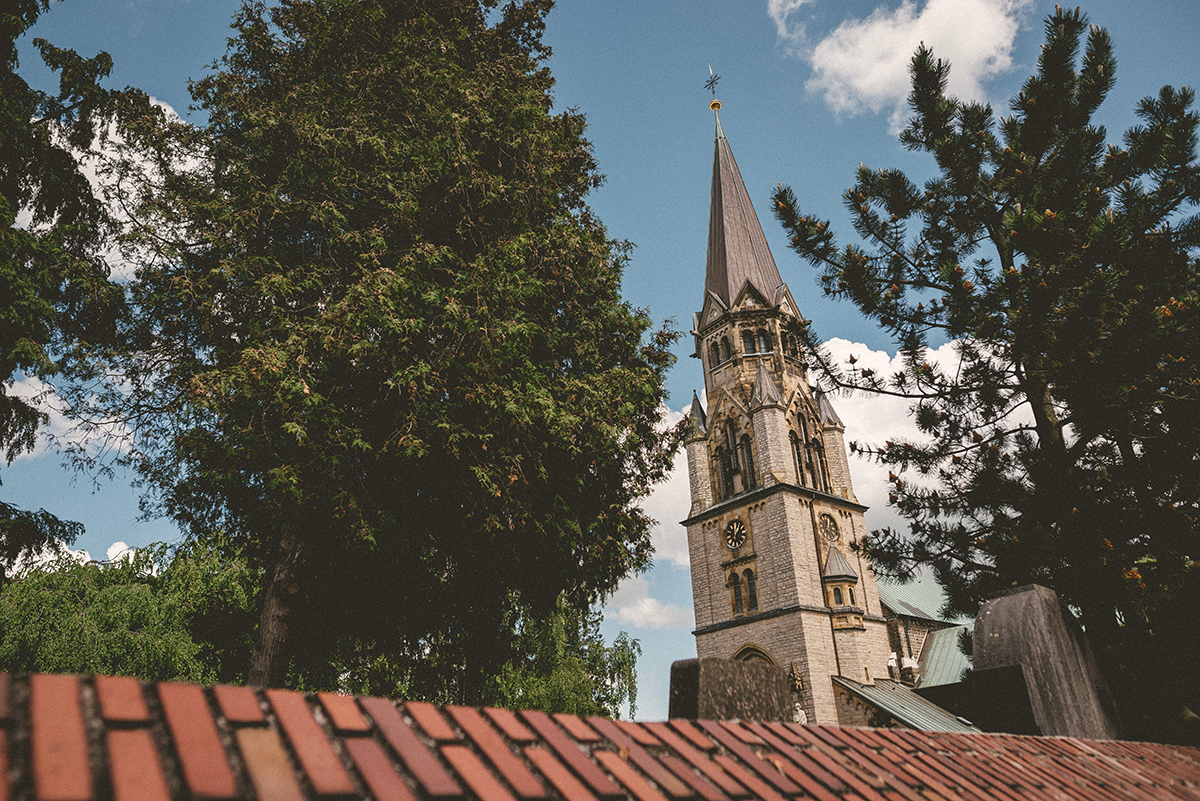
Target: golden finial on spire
{"points": [[711, 85]]}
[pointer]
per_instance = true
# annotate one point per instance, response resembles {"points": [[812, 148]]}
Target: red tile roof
{"points": [[72, 738]]}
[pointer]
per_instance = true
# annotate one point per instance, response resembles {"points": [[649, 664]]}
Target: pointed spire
{"points": [[737, 248], [697, 416], [765, 391], [829, 416], [837, 568]]}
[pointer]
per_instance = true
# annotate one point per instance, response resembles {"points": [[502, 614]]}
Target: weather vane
{"points": [[711, 85]]}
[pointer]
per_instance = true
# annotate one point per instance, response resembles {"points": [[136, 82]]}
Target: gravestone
{"points": [[728, 689]]}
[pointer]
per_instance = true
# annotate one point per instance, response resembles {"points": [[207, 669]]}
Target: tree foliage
{"points": [[154, 613], [378, 335], [57, 299], [1061, 443]]}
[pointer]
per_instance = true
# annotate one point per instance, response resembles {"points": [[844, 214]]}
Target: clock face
{"points": [[829, 527], [735, 534]]}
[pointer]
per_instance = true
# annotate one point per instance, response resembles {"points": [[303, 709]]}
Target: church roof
{"points": [[737, 248], [765, 391], [80, 738], [836, 566], [905, 706]]}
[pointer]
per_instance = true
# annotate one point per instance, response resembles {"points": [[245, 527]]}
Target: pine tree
{"points": [[379, 338], [1061, 443]]}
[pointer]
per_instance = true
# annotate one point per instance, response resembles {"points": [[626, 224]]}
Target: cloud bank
{"points": [[862, 65]]}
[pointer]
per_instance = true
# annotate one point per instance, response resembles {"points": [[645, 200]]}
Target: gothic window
{"points": [[724, 473], [751, 591], [851, 591], [732, 444], [797, 457], [714, 354], [748, 342], [747, 462], [735, 592], [837, 596], [823, 466], [725, 349], [764, 341]]}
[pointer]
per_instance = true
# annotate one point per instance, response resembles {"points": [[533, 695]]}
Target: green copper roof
{"points": [[942, 661], [906, 707]]}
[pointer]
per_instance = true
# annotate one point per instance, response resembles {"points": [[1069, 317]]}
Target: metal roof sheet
{"points": [[942, 660], [918, 597], [905, 706]]}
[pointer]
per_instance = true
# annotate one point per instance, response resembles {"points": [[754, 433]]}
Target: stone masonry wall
{"points": [[775, 462]]}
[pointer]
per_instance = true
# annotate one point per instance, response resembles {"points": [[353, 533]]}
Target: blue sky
{"points": [[810, 89]]}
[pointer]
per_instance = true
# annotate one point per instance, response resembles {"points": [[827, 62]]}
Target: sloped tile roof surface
{"points": [[73, 738]]}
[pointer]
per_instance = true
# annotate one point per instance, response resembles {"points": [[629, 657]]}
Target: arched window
{"points": [[797, 457], [724, 349], [731, 443], [764, 341], [714, 354], [837, 596], [735, 591], [748, 342], [851, 591], [823, 465], [747, 462], [751, 590], [724, 473]]}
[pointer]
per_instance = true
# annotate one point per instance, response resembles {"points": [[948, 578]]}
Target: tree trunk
{"points": [[268, 662]]}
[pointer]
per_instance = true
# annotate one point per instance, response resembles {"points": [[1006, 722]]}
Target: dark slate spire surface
{"points": [[765, 391], [699, 419], [829, 415], [836, 566], [737, 248]]}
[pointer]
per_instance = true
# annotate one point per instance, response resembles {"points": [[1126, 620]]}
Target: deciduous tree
{"points": [[1061, 443]]}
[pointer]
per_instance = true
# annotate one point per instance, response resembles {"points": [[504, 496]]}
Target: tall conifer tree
{"points": [[379, 336], [1061, 444]]}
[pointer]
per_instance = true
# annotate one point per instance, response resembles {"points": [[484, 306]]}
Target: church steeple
{"points": [[737, 248]]}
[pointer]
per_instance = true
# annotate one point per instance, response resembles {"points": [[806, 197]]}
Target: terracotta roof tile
{"points": [[511, 725], [697, 759], [487, 740], [119, 745], [121, 700], [638, 732], [310, 744], [629, 777], [431, 721], [238, 704], [61, 767], [377, 771], [571, 754], [562, 779], [197, 743], [576, 728], [701, 785], [267, 763], [137, 773], [343, 714], [670, 783], [419, 760], [471, 769]]}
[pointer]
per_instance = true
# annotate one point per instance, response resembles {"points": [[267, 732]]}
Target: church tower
{"points": [[773, 512]]}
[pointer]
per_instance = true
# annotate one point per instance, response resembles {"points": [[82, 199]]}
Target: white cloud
{"points": [[632, 605], [118, 550], [668, 503], [49, 553], [863, 64], [93, 436], [780, 10]]}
